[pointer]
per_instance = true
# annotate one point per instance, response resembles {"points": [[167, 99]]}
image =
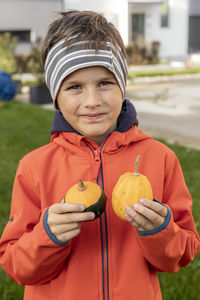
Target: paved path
{"points": [[169, 110]]}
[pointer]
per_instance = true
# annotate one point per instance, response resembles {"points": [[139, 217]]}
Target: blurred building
{"points": [[27, 19], [168, 26], [171, 26]]}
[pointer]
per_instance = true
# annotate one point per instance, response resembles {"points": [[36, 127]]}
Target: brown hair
{"points": [[85, 26]]}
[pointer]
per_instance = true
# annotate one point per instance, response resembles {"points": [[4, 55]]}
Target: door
{"points": [[194, 36]]}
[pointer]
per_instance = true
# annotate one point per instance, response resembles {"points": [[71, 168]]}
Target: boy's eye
{"points": [[74, 87], [104, 83]]}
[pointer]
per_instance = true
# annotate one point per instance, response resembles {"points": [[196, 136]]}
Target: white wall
{"points": [[116, 11], [32, 15], [173, 39]]}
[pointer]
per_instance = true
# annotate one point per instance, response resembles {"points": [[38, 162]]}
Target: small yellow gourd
{"points": [[88, 193], [129, 189]]}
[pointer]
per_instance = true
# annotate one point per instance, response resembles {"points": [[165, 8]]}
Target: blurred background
{"points": [[163, 46], [167, 28]]}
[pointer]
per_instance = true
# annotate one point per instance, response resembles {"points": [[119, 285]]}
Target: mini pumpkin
{"points": [[129, 189], [88, 193]]}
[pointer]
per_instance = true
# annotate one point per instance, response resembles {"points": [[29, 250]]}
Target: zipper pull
{"points": [[97, 155]]}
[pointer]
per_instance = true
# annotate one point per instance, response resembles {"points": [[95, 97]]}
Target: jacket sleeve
{"points": [[27, 254], [176, 242]]}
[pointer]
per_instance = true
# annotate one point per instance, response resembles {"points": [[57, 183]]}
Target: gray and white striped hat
{"points": [[63, 60]]}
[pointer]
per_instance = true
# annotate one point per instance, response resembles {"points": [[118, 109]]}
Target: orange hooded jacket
{"points": [[109, 259]]}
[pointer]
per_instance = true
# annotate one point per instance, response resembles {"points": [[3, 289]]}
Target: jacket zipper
{"points": [[103, 231], [104, 246]]}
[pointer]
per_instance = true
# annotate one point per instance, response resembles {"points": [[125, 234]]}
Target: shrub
{"points": [[140, 52], [7, 58], [32, 63]]}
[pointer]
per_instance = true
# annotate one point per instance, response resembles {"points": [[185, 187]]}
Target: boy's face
{"points": [[90, 100]]}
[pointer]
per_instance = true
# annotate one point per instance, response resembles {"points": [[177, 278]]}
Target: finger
{"points": [[62, 208], [58, 219], [155, 206], [132, 221], [64, 228], [65, 237], [149, 214], [143, 223]]}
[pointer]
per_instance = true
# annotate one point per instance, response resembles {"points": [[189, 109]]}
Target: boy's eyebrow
{"points": [[77, 81], [106, 78], [71, 82]]}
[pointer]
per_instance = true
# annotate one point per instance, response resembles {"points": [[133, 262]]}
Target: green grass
{"points": [[185, 284], [133, 74], [24, 127]]}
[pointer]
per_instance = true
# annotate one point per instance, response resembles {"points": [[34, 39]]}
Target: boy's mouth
{"points": [[93, 117]]}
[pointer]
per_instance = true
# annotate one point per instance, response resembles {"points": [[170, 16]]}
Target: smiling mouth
{"points": [[93, 117]]}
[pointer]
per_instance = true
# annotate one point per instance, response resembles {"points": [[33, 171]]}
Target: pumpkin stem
{"points": [[136, 165], [81, 186]]}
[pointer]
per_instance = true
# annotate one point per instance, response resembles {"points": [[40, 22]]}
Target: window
{"points": [[138, 21], [22, 35], [164, 11]]}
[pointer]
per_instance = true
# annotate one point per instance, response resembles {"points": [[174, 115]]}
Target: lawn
{"points": [[24, 127], [133, 74]]}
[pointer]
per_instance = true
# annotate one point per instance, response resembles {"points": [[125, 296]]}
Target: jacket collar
{"points": [[115, 141]]}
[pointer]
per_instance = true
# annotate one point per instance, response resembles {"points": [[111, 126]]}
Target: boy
{"points": [[47, 245]]}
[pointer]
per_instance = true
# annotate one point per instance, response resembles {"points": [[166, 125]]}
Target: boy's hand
{"points": [[146, 215], [65, 220]]}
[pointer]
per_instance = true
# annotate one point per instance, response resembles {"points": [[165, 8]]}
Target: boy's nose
{"points": [[91, 98]]}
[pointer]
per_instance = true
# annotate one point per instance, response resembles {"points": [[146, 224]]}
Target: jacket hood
{"points": [[126, 133], [126, 119]]}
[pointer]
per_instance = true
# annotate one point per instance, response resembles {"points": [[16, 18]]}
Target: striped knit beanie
{"points": [[63, 60]]}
